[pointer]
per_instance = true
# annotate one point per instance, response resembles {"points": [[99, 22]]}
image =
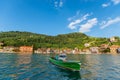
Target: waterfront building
{"points": [[75, 51], [48, 50], [94, 50], [104, 48], [68, 51], [26, 49], [85, 51], [113, 49], [38, 50], [8, 49], [1, 50], [104, 45], [118, 50], [43, 50]]}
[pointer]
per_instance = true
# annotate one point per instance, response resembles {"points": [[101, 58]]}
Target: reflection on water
{"points": [[70, 74], [23, 59], [37, 67]]}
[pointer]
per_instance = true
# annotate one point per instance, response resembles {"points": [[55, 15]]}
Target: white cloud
{"points": [[77, 13], [106, 5], [102, 23], [87, 26], [70, 18], [73, 17], [115, 2], [85, 16], [75, 23], [58, 4], [110, 22]]}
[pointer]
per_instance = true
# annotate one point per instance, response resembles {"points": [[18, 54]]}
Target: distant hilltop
{"points": [[70, 40]]}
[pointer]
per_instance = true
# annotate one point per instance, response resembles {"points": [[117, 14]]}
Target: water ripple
{"points": [[37, 67]]}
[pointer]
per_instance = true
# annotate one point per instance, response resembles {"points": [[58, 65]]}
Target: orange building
{"points": [[113, 48], [104, 46], [26, 49]]}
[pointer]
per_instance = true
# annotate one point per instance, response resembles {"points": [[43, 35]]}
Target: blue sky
{"points": [[100, 18]]}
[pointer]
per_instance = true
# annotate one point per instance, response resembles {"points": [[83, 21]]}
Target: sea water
{"points": [[37, 67]]}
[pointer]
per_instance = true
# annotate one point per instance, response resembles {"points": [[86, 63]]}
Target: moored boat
{"points": [[70, 65]]}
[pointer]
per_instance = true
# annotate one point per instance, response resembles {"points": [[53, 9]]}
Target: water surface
{"points": [[37, 67]]}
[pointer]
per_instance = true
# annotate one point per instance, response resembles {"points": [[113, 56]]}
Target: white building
{"points": [[112, 39], [94, 50], [86, 44]]}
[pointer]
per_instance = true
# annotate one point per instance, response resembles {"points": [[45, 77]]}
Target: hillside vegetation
{"points": [[71, 40]]}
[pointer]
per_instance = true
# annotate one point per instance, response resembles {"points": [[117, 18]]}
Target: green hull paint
{"points": [[74, 66]]}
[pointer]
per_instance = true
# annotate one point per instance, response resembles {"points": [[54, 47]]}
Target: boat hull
{"points": [[74, 66]]}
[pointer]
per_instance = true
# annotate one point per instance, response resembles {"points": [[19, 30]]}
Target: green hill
{"points": [[71, 40]]}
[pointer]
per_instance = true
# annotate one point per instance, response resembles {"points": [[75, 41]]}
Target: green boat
{"points": [[70, 65]]}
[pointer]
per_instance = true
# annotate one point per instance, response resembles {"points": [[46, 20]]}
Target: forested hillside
{"points": [[71, 40]]}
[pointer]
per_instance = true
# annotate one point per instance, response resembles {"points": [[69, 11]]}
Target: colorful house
{"points": [[118, 50], [26, 49], [94, 49], [113, 48], [103, 48], [8, 49], [104, 45]]}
